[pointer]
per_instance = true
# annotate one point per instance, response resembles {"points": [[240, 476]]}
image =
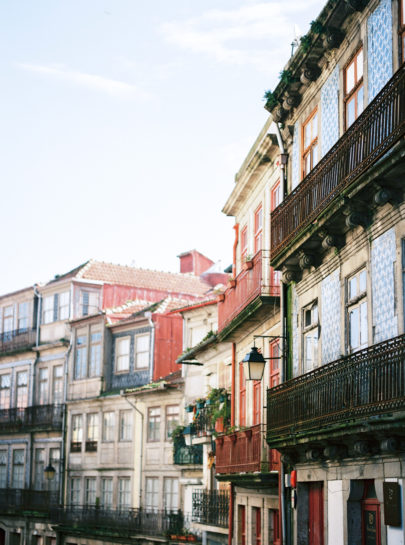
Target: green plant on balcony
{"points": [[270, 100], [306, 42], [219, 408], [177, 436]]}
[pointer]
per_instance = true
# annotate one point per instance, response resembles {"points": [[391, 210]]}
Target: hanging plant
{"points": [[270, 99], [287, 77], [306, 42], [317, 27], [177, 436]]}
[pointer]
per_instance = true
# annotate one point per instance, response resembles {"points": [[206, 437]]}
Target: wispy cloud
{"points": [[256, 33], [95, 82]]}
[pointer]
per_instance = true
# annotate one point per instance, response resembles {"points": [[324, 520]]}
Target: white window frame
{"points": [[140, 354], [108, 426], [122, 359], [310, 336], [126, 425], [357, 302]]}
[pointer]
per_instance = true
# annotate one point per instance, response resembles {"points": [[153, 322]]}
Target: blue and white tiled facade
{"points": [[379, 30], [330, 111], [331, 309], [296, 158], [295, 331], [383, 287]]}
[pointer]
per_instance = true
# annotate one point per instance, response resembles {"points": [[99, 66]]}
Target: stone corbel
{"points": [[384, 193], [332, 38], [310, 73], [357, 214], [279, 114], [331, 240], [291, 100], [356, 5], [290, 274], [306, 260]]}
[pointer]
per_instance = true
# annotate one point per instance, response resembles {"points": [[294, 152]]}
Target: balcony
{"points": [[88, 520], [243, 457], [251, 295], [211, 507], [188, 455], [37, 417], [316, 199], [344, 407], [17, 339], [16, 501]]}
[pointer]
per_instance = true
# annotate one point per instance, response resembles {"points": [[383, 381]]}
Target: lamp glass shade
{"points": [[254, 364], [49, 472], [187, 439]]}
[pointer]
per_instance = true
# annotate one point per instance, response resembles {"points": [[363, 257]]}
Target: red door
{"points": [[315, 514], [371, 522]]}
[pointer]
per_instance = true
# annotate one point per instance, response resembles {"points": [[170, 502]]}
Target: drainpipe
{"points": [[235, 244], [233, 393], [141, 443], [148, 315], [62, 464]]}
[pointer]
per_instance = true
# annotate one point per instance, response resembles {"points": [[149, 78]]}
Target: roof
{"points": [[125, 275], [132, 309], [189, 355]]}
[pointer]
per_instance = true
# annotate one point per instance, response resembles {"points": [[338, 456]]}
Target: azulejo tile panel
{"points": [[330, 317], [379, 40], [330, 111], [383, 286]]}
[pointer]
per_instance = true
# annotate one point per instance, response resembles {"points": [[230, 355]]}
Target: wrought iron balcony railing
{"points": [[245, 452], [365, 384], [18, 500], [40, 417], [17, 339], [211, 507], [375, 131], [150, 522], [203, 422], [188, 455], [250, 283]]}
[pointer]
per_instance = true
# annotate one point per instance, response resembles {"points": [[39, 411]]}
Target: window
{"points": [[39, 463], [75, 491], [122, 347], [106, 492], [3, 468], [90, 491], [23, 320], [354, 92], [142, 351], [243, 244], [95, 353], [125, 425], [43, 386], [310, 336], [275, 281], [172, 419], [89, 302], [92, 432], [274, 527], [64, 301], [77, 433], [54, 459], [5, 389], [256, 526], [108, 426], [357, 311], [17, 473], [241, 525], [8, 320], [275, 363], [171, 494], [57, 384], [275, 195], [152, 493], [22, 389], [257, 402], [310, 143], [124, 493], [80, 355], [258, 222], [154, 424], [47, 309], [242, 396]]}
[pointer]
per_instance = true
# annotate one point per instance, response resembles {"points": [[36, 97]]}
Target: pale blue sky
{"points": [[123, 123]]}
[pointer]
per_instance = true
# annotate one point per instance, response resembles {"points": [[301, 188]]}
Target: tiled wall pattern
{"points": [[330, 111], [295, 331], [379, 48], [330, 317], [296, 158], [383, 288]]}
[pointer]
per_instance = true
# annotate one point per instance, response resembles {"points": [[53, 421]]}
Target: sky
{"points": [[124, 122]]}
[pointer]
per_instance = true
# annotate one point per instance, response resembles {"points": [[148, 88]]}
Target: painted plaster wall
{"points": [[330, 111], [383, 287], [335, 513], [331, 309], [379, 41]]}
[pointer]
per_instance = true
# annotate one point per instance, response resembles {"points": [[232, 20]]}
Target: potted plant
{"points": [[189, 408], [248, 263], [221, 297], [232, 283], [200, 403]]}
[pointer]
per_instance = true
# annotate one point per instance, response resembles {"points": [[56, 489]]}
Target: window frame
{"points": [[76, 437], [117, 356], [242, 395], [153, 432], [308, 330], [275, 356], [171, 422], [243, 243], [258, 228], [353, 303], [140, 352], [314, 143], [123, 436], [275, 195], [108, 429], [353, 93], [152, 493]]}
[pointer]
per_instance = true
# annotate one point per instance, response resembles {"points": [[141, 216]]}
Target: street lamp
{"points": [[254, 363], [49, 472]]}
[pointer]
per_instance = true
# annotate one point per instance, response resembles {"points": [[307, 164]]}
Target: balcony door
{"points": [[315, 514]]}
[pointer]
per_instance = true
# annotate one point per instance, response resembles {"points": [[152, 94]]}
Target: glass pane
{"points": [[307, 135], [363, 281], [363, 324], [354, 328], [360, 100], [314, 124], [360, 65], [352, 287], [314, 155], [350, 111], [350, 77]]}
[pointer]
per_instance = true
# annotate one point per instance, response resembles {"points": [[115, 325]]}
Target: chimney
{"points": [[194, 262]]}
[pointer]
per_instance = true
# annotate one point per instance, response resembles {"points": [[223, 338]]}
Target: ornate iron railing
{"points": [[188, 455], [211, 507], [244, 452], [375, 131], [369, 382], [35, 417], [17, 339], [203, 422], [15, 500], [151, 522], [250, 283]]}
